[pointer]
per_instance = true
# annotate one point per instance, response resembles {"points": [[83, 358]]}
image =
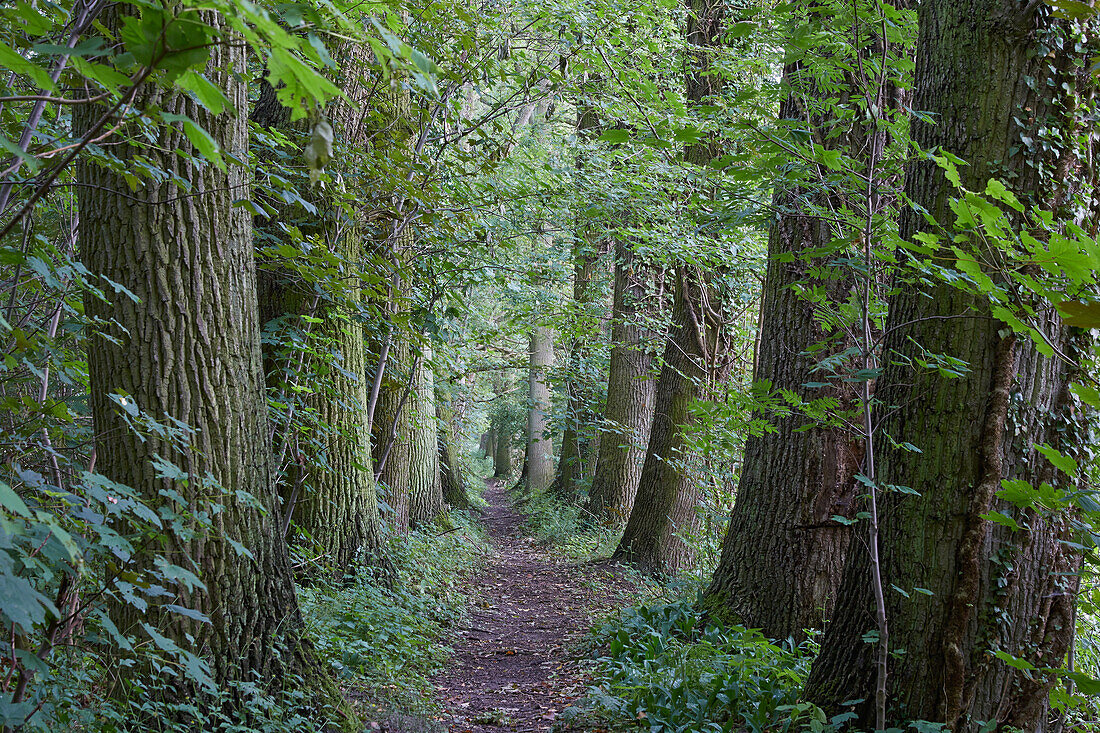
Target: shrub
{"points": [[664, 669]]}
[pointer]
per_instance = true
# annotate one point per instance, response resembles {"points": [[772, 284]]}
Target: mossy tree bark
{"points": [[984, 587], [332, 495], [189, 350], [783, 554], [631, 389], [665, 508]]}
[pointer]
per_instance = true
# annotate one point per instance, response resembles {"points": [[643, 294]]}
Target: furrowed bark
{"points": [[189, 349], [974, 586], [631, 389]]}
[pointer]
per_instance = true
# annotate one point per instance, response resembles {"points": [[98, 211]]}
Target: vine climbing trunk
{"points": [[965, 586], [186, 348]]}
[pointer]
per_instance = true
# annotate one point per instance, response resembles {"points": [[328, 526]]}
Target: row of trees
{"points": [[228, 369], [922, 484]]}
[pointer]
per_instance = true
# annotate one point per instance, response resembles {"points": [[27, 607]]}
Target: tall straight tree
{"points": [[970, 587], [575, 443], [187, 349], [665, 504], [502, 428], [396, 363], [333, 496], [425, 487], [783, 554], [628, 412], [539, 461], [392, 429]]}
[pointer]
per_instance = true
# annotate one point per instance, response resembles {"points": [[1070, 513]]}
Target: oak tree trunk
{"points": [[188, 350], [966, 586], [631, 389]]}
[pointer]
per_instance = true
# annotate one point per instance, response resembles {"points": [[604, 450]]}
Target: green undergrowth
{"points": [[385, 644], [568, 528], [661, 668]]}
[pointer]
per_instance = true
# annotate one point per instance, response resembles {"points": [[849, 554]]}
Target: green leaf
{"points": [[208, 94], [1014, 662], [1002, 519], [615, 137], [11, 501], [996, 190], [200, 138], [1081, 315], [1062, 462], [1086, 684], [12, 60], [1072, 9]]}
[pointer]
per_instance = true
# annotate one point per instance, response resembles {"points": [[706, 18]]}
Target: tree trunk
{"points": [[450, 467], [189, 350], [664, 510], [631, 388], [578, 415], [502, 454], [425, 489], [973, 586], [333, 495], [540, 448], [393, 426], [783, 554]]}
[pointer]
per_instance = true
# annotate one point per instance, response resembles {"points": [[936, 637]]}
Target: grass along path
{"points": [[515, 665]]}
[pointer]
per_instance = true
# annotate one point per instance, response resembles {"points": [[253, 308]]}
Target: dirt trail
{"points": [[514, 667]]}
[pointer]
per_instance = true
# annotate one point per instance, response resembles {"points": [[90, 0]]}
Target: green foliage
{"points": [[567, 527], [664, 668], [387, 643]]}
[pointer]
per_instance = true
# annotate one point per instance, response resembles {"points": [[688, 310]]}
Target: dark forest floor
{"points": [[516, 664]]}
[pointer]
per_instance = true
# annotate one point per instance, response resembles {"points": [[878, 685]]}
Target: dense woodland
{"points": [[338, 333]]}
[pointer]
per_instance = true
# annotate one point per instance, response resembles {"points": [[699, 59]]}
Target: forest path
{"points": [[515, 667]]}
